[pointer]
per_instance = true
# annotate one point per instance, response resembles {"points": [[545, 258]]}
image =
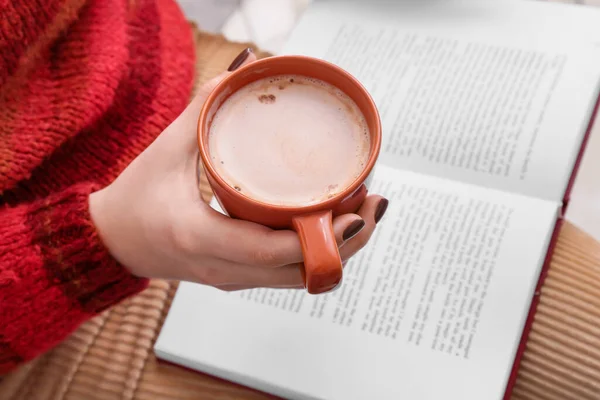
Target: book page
{"points": [[472, 91], [440, 295]]}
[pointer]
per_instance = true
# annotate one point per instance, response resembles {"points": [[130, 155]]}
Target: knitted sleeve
{"points": [[55, 273]]}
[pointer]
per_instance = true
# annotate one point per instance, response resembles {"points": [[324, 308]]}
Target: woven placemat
{"points": [[111, 357]]}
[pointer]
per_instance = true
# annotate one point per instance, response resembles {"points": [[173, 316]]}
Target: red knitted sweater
{"points": [[85, 86]]}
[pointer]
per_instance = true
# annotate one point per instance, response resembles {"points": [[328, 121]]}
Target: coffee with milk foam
{"points": [[289, 140]]}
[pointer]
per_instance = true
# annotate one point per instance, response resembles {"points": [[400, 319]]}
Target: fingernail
{"points": [[239, 60], [381, 209], [353, 229]]}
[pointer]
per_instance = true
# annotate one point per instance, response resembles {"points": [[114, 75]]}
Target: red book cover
{"points": [[536, 298]]}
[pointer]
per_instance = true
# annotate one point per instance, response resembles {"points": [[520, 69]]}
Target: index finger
{"points": [[254, 244]]}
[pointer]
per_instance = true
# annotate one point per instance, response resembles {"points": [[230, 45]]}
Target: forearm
{"points": [[55, 273]]}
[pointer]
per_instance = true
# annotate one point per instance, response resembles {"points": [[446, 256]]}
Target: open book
{"points": [[485, 108]]}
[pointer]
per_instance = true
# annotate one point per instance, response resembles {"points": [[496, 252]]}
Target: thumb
{"points": [[244, 58], [186, 124]]}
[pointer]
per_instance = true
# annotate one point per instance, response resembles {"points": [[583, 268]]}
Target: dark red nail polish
{"points": [[381, 209], [353, 229], [239, 60]]}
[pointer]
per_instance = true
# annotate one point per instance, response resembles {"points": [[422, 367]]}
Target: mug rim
{"points": [[328, 203]]}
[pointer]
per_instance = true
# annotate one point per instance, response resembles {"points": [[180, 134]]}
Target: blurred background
{"points": [[267, 23], [264, 22]]}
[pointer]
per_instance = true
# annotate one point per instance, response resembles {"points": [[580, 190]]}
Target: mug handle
{"points": [[322, 262]]}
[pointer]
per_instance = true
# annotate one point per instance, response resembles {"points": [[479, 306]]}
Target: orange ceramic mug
{"points": [[313, 223]]}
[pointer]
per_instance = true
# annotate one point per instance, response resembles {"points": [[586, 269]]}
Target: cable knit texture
{"points": [[85, 86]]}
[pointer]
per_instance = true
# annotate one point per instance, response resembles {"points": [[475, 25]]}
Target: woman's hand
{"points": [[153, 220]]}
